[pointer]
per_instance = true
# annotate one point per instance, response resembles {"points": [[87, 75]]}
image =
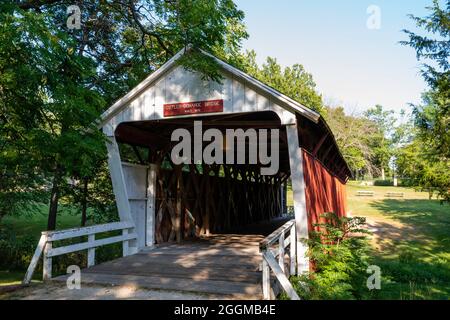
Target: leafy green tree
{"points": [[381, 141], [353, 135], [127, 40], [55, 82], [416, 169], [292, 81], [46, 106], [432, 118]]}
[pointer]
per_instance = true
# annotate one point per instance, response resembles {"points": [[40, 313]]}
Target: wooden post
{"points": [[292, 255], [125, 244], [265, 279], [151, 205], [118, 180], [119, 187], [298, 188], [281, 251], [47, 263], [281, 277], [91, 251], [34, 261], [178, 213]]}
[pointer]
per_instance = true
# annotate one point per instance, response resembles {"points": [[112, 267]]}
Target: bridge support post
{"points": [[298, 189]]}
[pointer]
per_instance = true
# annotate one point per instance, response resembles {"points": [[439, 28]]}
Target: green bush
{"points": [[339, 255], [383, 183], [407, 182], [15, 252]]}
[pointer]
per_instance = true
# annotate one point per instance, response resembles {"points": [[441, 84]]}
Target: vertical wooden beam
{"points": [[119, 187], [47, 263], [206, 189], [178, 215], [283, 194], [91, 251], [118, 180], [292, 255], [151, 205], [281, 251], [298, 188], [125, 244], [265, 279]]}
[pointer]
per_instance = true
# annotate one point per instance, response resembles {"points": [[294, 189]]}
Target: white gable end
{"points": [[179, 85]]}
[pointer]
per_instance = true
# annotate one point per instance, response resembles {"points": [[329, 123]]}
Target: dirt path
{"points": [[59, 291]]}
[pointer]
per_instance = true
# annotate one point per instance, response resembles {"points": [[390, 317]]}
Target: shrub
{"points": [[15, 252], [338, 252], [407, 182], [383, 183]]}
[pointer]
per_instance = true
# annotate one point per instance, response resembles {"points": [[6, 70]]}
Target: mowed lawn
{"points": [[411, 241], [30, 226]]}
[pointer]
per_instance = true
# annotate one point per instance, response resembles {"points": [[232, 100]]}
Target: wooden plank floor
{"points": [[219, 265], [226, 265]]}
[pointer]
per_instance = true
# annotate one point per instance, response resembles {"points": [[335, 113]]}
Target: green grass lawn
{"points": [[30, 226], [411, 241], [34, 223], [10, 277]]}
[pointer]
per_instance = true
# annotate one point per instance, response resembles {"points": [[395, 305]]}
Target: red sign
{"points": [[176, 109]]}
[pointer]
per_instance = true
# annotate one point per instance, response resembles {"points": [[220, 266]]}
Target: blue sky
{"points": [[352, 65]]}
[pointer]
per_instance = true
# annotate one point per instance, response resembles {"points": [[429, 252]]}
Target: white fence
{"points": [[45, 245], [273, 247]]}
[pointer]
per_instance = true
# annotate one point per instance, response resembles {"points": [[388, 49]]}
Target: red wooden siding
{"points": [[324, 192]]}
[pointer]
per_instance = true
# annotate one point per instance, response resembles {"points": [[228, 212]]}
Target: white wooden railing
{"points": [[273, 247], [45, 245]]}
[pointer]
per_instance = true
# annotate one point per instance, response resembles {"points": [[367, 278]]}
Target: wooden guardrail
{"points": [[45, 245], [275, 246]]}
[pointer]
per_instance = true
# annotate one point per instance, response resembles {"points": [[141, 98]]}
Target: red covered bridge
{"points": [[200, 225]]}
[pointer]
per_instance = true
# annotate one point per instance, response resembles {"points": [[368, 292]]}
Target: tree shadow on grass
{"points": [[415, 237], [422, 219]]}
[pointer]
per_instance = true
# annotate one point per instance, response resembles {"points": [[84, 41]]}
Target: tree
{"points": [[55, 83], [432, 118], [47, 109], [415, 168], [353, 135], [292, 81], [380, 140]]}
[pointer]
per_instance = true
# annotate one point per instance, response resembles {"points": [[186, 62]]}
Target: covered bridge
{"points": [[166, 202]]}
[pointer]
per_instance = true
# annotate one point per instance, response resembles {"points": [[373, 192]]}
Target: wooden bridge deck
{"points": [[223, 265]]}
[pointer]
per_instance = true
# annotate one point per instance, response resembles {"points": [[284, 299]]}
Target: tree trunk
{"points": [[54, 198], [84, 202], [383, 176]]}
